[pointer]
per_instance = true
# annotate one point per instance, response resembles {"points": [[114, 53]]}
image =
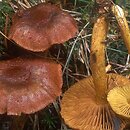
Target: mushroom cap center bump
{"points": [[28, 85], [15, 75]]}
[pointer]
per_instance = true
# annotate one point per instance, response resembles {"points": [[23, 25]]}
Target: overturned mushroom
{"points": [[84, 105], [28, 85], [81, 110], [41, 26], [119, 99]]}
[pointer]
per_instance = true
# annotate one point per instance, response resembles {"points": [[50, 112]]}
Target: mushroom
{"points": [[123, 25], [80, 108], [119, 99], [84, 106], [41, 26], [28, 85]]}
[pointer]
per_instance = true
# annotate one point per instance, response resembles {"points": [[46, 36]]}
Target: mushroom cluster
{"points": [[118, 97], [84, 105], [28, 85]]}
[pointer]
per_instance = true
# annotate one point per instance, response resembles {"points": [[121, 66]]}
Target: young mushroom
{"points": [[84, 106], [28, 85], [41, 26]]}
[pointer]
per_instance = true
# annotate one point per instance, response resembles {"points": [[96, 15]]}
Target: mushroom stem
{"points": [[97, 57], [123, 25]]}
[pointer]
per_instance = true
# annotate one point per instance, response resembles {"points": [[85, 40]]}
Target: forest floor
{"points": [[73, 55]]}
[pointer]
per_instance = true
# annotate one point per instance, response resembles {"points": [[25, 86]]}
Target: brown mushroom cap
{"points": [[81, 111], [28, 85], [119, 99], [41, 26]]}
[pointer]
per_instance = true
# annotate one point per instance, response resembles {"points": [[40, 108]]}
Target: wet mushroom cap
{"points": [[41, 26], [119, 99], [28, 85], [80, 110]]}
